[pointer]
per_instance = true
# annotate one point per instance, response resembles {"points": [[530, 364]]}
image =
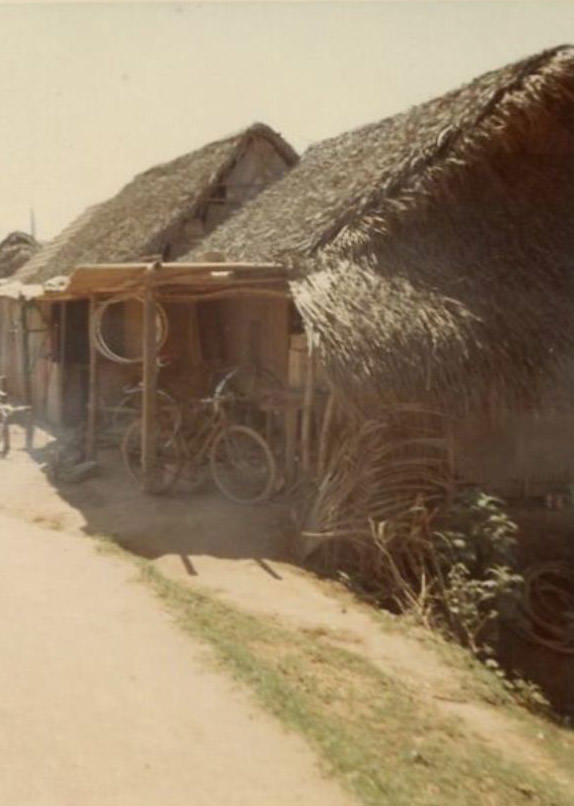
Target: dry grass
{"points": [[378, 487]]}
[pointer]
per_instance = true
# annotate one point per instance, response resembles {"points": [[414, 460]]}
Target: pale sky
{"points": [[91, 94]]}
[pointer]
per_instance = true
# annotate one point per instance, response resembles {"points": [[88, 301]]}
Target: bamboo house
{"points": [[159, 216], [431, 257]]}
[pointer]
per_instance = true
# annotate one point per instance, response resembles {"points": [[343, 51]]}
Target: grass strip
{"points": [[368, 729]]}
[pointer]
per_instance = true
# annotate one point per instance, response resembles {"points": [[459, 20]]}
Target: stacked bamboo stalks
{"points": [[378, 484]]}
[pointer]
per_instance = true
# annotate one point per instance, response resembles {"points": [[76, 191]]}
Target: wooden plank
{"points": [[91, 432], [149, 352], [184, 296]]}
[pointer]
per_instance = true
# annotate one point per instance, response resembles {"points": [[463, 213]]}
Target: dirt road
{"points": [[103, 701]]}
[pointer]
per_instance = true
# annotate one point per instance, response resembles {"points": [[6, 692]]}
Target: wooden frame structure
{"points": [[161, 282]]}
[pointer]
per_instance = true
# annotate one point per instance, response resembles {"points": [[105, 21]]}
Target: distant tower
{"points": [[32, 223]]}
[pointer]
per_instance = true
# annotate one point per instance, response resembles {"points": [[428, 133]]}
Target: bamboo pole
{"points": [[149, 353], [93, 386], [451, 462]]}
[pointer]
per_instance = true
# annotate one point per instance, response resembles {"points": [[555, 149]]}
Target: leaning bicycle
{"points": [[206, 443]]}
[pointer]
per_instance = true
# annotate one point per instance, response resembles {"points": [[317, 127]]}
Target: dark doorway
{"points": [[74, 357]]}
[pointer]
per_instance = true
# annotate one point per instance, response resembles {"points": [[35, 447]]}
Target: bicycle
{"points": [[238, 458], [116, 419], [7, 412], [256, 399]]}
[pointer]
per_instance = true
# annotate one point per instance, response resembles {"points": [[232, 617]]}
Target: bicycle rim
{"points": [[129, 409], [193, 476], [168, 457], [242, 465]]}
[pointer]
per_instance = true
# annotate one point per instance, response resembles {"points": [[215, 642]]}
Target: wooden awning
{"points": [[175, 280]]}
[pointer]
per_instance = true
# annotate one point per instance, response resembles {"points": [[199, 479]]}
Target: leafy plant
{"points": [[473, 605], [479, 534], [474, 556]]}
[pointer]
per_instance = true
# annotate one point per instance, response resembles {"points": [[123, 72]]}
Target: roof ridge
{"points": [[165, 195], [238, 138], [449, 135]]}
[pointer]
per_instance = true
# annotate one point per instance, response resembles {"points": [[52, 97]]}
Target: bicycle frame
{"points": [[236, 456], [196, 443]]}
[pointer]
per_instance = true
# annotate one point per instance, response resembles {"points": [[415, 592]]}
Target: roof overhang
{"points": [[183, 280]]}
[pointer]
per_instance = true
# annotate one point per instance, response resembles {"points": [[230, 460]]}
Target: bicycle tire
{"points": [[169, 457], [193, 476], [248, 393], [247, 382], [129, 409], [238, 448], [97, 328]]}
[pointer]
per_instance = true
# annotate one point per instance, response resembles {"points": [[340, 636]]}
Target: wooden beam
{"points": [[91, 432], [149, 352], [234, 293]]}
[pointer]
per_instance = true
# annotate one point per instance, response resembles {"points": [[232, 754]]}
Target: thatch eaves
{"points": [[435, 249], [337, 178], [15, 250], [138, 221]]}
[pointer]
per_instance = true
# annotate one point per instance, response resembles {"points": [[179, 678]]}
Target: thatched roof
{"points": [[140, 219], [434, 250], [15, 250]]}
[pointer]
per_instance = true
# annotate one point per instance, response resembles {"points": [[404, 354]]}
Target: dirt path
{"points": [[237, 553], [103, 702]]}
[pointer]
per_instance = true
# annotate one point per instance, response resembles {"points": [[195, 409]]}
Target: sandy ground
{"points": [[103, 701], [242, 554]]}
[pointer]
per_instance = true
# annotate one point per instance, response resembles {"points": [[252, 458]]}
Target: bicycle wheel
{"points": [[254, 397], [242, 465], [129, 409], [247, 384], [193, 475], [168, 458]]}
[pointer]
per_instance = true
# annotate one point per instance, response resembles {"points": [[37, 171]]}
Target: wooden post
{"points": [[307, 416], [26, 373], [93, 386], [291, 419], [25, 352], [325, 433], [62, 358], [149, 352]]}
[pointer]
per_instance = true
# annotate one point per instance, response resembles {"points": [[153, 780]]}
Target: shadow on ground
{"points": [[110, 504]]}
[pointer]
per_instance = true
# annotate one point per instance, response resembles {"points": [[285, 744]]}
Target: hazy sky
{"points": [[91, 94]]}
